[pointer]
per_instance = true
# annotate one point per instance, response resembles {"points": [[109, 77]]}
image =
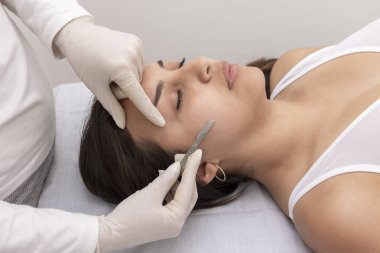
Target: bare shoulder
{"points": [[286, 62], [342, 214]]}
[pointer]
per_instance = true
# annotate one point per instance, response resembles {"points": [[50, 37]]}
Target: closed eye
{"points": [[179, 99]]}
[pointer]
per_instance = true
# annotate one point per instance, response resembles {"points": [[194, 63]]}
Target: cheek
{"points": [[251, 84], [167, 106], [228, 115], [137, 125], [171, 138], [174, 136], [234, 113]]}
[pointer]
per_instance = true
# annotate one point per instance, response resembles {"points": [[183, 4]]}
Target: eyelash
{"points": [[182, 62], [179, 101]]}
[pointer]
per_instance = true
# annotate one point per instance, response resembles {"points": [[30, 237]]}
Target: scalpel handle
{"points": [[188, 153], [196, 143]]}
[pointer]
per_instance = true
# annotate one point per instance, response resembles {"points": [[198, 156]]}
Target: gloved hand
{"points": [[100, 56], [171, 193], [142, 218]]}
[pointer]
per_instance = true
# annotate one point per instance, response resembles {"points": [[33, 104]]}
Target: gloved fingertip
{"points": [[157, 118], [178, 157], [115, 109], [121, 125], [120, 122], [174, 168], [159, 121]]}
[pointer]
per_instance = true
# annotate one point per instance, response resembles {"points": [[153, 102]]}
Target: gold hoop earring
{"points": [[224, 175]]}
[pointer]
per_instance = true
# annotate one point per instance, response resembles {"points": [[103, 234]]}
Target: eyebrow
{"points": [[158, 92]]}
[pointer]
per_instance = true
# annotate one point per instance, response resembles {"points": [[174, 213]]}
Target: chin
{"points": [[251, 76]]}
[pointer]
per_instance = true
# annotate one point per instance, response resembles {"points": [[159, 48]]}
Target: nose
{"points": [[203, 68]]}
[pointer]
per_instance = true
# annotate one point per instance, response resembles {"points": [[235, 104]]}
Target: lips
{"points": [[230, 72]]}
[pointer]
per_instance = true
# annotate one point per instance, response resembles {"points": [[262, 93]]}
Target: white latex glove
{"points": [[142, 218], [171, 193], [100, 56]]}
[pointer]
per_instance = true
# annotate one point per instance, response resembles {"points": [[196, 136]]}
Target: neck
{"points": [[281, 141]]}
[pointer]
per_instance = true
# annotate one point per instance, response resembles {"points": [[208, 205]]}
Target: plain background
{"points": [[234, 30]]}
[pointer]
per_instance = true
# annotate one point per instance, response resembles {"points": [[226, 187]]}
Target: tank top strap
{"points": [[316, 59]]}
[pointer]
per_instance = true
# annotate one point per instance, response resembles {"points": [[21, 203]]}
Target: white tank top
{"points": [[357, 148]]}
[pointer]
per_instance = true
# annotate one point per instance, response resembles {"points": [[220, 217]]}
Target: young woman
{"points": [[312, 139]]}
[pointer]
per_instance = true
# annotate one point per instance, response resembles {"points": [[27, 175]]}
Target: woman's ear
{"points": [[206, 172]]}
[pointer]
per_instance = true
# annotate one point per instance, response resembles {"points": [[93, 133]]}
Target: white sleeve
{"points": [[367, 36], [28, 229], [46, 17]]}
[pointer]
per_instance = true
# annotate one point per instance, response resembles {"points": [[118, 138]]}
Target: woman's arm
{"points": [[342, 214]]}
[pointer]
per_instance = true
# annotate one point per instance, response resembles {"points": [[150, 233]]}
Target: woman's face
{"points": [[189, 95]]}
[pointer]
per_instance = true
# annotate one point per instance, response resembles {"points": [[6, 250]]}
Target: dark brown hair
{"points": [[113, 166]]}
